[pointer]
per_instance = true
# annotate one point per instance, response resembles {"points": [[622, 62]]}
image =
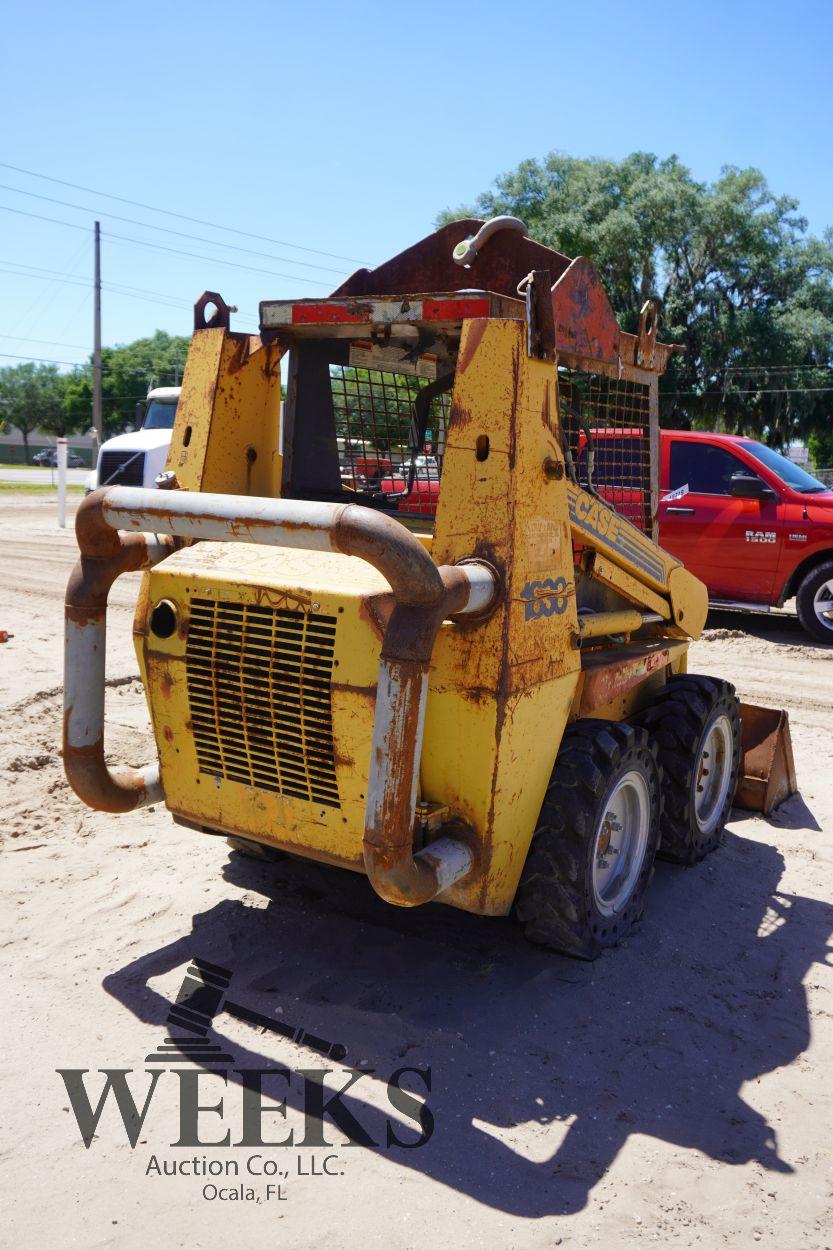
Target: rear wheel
{"points": [[696, 724], [584, 882], [814, 602]]}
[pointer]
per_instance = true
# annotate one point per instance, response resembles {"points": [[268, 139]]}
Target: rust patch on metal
{"points": [[427, 266], [471, 341], [141, 613], [768, 773], [293, 601], [513, 421], [367, 693], [93, 782], [377, 610], [84, 616], [584, 319], [459, 417], [605, 678]]}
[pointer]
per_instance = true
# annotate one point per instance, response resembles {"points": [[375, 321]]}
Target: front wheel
{"points": [[814, 602], [696, 724], [584, 882]]}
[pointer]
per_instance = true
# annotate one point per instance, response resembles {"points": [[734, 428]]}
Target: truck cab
{"points": [[138, 457], [756, 528]]}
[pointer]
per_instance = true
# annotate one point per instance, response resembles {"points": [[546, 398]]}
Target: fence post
{"points": [[62, 483]]}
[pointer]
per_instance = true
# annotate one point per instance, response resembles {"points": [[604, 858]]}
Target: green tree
{"points": [[741, 286], [32, 398], [128, 372], [821, 448]]}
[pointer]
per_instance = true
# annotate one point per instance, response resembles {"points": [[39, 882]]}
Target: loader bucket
{"points": [[767, 775]]}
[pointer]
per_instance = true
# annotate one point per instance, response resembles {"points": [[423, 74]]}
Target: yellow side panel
{"points": [[501, 691], [495, 776], [227, 429]]}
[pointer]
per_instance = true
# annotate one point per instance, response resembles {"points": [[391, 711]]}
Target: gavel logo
{"points": [[201, 997]]}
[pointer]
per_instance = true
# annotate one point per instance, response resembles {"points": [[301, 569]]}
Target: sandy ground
{"points": [[677, 1092]]}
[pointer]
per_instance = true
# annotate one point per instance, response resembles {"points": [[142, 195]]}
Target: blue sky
{"points": [[346, 128]]}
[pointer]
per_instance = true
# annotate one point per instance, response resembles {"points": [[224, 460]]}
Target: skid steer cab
{"points": [[399, 630]]}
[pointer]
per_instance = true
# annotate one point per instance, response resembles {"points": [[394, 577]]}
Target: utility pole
{"points": [[98, 416]]}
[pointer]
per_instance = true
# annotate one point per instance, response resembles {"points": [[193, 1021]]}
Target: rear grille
{"points": [[259, 693], [121, 468]]}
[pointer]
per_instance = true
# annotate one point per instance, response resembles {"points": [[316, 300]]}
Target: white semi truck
{"points": [[137, 458]]}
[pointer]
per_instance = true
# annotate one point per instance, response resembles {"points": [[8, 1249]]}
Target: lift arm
{"points": [[623, 558]]}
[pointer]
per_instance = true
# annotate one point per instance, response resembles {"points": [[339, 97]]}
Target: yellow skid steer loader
{"points": [[408, 622]]}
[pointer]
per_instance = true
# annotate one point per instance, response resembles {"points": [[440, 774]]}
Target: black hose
{"points": [[419, 420]]}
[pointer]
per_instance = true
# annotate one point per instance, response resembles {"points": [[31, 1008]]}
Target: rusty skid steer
{"points": [[414, 626]]}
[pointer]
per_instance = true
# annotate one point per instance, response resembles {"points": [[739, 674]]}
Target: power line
{"points": [[214, 260], [159, 297], [56, 221], [70, 280], [46, 297], [195, 238], [21, 264], [42, 360], [166, 367], [65, 279], [21, 338], [197, 221]]}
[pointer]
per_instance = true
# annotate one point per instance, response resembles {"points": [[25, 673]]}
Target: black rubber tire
{"points": [[679, 721], [255, 850], [555, 901], [804, 602]]}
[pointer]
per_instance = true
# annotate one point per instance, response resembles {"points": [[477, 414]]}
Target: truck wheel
{"points": [[814, 601], [254, 850], [696, 724], [592, 854]]}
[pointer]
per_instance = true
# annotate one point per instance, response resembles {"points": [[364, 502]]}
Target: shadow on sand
{"points": [[542, 1067]]}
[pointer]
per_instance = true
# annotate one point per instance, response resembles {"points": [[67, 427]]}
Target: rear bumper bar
{"points": [[425, 596]]}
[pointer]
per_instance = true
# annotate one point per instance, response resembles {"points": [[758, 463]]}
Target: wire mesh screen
{"points": [[606, 424], [383, 448]]}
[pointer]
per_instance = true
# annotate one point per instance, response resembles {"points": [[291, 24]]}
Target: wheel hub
{"points": [[823, 604], [620, 843], [713, 774]]}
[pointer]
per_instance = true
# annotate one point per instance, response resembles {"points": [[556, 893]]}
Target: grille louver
{"points": [[259, 693]]}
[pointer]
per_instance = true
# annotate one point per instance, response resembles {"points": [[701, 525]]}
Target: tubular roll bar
{"points": [[424, 594]]}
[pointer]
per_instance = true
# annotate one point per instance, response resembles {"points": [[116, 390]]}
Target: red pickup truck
{"points": [[749, 523]]}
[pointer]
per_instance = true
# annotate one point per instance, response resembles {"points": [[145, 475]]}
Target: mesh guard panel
{"points": [[612, 417], [380, 451]]}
